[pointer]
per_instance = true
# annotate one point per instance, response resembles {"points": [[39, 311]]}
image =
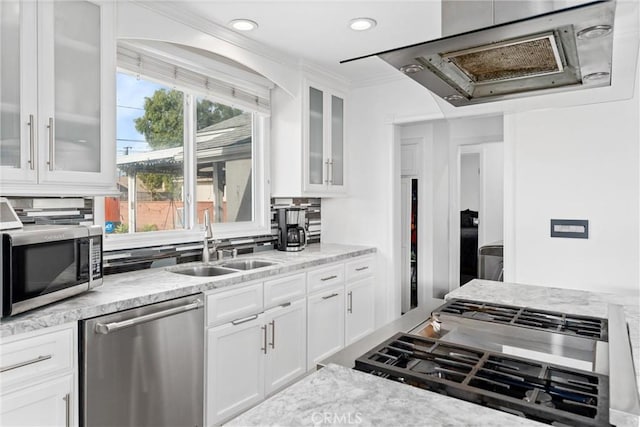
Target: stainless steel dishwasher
{"points": [[144, 366]]}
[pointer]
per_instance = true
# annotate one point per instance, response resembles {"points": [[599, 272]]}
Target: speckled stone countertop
{"points": [[347, 397], [129, 290], [336, 395]]}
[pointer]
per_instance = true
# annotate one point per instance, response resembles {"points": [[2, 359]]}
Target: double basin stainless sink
{"points": [[222, 268]]}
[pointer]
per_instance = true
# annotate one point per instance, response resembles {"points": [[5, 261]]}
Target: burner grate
{"points": [[539, 391], [582, 326]]}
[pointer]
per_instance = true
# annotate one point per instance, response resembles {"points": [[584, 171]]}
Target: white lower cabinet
{"points": [[44, 404], [359, 309], [255, 355], [38, 378], [286, 344], [235, 367], [325, 324]]}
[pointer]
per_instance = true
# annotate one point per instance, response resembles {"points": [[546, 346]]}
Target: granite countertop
{"points": [[134, 289], [336, 395], [342, 394]]}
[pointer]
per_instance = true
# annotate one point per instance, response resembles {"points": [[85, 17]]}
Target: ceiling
{"points": [[317, 32]]}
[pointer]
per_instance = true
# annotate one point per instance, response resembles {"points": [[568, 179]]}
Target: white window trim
{"points": [[261, 189]]}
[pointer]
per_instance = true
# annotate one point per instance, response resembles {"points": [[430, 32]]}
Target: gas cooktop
{"points": [[583, 326], [539, 391], [543, 365]]}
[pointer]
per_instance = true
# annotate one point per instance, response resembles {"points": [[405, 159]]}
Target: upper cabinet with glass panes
{"points": [[315, 167], [57, 98]]}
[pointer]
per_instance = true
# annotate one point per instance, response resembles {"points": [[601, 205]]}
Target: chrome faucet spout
{"points": [[208, 234], [207, 225]]}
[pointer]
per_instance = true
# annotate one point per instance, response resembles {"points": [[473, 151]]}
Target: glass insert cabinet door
{"points": [[325, 144], [73, 130], [336, 173], [316, 136], [18, 91], [10, 153]]}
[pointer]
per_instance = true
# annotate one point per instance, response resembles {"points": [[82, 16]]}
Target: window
{"points": [[224, 162], [150, 158], [182, 150]]}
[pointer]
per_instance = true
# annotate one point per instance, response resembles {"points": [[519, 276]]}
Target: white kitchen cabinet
{"points": [[38, 378], [325, 324], [324, 138], [257, 353], [360, 298], [286, 344], [308, 145], [43, 404], [57, 101], [359, 310], [235, 367]]}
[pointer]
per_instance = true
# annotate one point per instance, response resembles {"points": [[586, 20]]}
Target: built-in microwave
{"points": [[44, 264]]}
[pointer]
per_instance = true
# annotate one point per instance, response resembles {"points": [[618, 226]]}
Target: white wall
{"points": [[492, 211], [367, 215], [574, 163]]}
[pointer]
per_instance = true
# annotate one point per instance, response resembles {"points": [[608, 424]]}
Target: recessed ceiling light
{"points": [[595, 32], [411, 68], [595, 77], [243, 24], [362, 24]]}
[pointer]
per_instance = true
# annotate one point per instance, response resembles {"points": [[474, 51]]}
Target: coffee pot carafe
{"points": [[292, 229]]}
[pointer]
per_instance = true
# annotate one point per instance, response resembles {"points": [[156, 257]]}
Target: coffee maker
{"points": [[292, 229]]}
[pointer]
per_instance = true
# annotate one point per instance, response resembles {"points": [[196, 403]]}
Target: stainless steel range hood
{"points": [[550, 50]]}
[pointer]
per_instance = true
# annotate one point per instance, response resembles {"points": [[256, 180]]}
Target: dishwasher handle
{"points": [[105, 328]]}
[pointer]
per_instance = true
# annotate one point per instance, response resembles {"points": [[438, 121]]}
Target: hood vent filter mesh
{"points": [[509, 60]]}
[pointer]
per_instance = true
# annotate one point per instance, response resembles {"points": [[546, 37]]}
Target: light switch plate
{"points": [[570, 228]]}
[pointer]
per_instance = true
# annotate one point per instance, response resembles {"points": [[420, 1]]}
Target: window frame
{"points": [[193, 232]]}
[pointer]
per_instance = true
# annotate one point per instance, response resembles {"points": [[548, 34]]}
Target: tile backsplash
{"points": [[79, 210], [49, 210]]}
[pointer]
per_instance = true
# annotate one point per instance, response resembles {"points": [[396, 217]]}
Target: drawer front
{"points": [[359, 267], [234, 304], [324, 277], [284, 290], [36, 356]]}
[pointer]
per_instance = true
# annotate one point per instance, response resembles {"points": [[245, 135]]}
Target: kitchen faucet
{"points": [[208, 234]]}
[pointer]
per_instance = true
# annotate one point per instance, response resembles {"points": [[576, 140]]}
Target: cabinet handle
{"points": [[350, 304], [67, 408], [286, 304], [330, 168], [25, 363], [244, 320], [326, 172], [324, 279], [105, 328], [32, 131], [273, 334], [52, 156], [90, 263], [330, 296], [362, 268], [264, 342]]}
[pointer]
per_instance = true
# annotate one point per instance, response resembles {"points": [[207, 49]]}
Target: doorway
{"points": [[469, 208], [409, 196], [480, 206]]}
